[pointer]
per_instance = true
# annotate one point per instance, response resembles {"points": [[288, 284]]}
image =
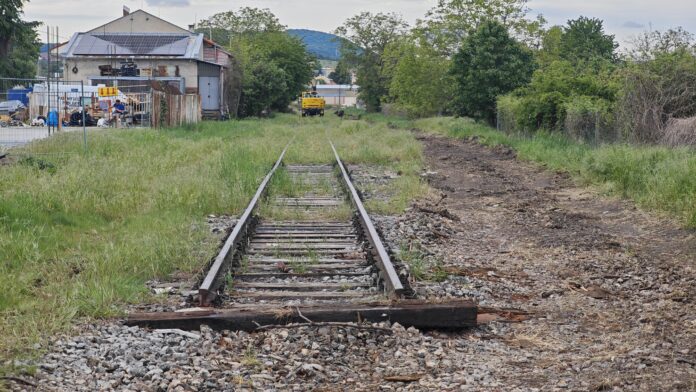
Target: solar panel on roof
{"points": [[132, 44]]}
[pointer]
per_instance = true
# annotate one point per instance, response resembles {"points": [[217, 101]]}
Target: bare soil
{"points": [[611, 289]]}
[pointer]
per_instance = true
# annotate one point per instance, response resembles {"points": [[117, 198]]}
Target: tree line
{"points": [[491, 61]]}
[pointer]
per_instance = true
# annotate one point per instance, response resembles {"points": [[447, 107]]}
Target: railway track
{"points": [[312, 247], [324, 247]]}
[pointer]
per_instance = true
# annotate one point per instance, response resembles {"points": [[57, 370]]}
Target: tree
{"points": [[584, 40], [226, 26], [420, 79], [264, 86], [19, 46], [489, 63], [277, 51], [447, 24], [651, 44], [366, 37], [550, 45], [275, 67], [655, 92], [341, 75]]}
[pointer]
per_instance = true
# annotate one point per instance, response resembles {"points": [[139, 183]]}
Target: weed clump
{"points": [[38, 163]]}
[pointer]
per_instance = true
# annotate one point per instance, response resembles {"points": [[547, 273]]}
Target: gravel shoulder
{"points": [[611, 288], [609, 291]]}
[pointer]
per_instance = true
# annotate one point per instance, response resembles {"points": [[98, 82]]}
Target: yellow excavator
{"points": [[311, 103]]}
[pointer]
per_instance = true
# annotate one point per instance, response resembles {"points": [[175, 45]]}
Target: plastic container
{"points": [[52, 118]]}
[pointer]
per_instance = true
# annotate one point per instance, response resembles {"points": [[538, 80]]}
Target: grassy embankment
{"points": [[80, 240], [657, 178]]}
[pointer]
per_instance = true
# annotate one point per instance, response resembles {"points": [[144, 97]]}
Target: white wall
{"points": [[88, 67], [139, 22]]}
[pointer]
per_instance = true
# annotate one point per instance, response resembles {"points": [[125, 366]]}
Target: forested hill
{"points": [[323, 45]]}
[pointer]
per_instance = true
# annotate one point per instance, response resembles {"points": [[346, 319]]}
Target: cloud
{"points": [[633, 25], [168, 3]]}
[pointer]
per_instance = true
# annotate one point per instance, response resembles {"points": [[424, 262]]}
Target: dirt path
{"points": [[612, 289]]}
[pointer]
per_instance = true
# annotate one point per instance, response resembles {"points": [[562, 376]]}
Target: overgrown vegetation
{"points": [[81, 234]]}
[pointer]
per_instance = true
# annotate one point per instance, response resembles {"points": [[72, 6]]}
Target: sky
{"points": [[623, 18]]}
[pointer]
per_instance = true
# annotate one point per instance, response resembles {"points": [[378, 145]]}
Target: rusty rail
{"points": [[207, 292], [387, 271]]}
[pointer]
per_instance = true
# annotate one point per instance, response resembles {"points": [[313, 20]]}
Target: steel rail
{"points": [[207, 292], [389, 275]]}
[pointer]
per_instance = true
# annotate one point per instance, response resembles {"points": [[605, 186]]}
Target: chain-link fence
{"points": [[32, 110]]}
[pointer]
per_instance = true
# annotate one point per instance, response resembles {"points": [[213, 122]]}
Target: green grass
{"points": [[657, 178], [80, 234]]}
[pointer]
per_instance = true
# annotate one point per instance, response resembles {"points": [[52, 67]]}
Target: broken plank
{"points": [[452, 315]]}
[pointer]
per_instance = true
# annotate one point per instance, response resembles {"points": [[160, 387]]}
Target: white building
{"points": [[339, 94], [138, 48]]}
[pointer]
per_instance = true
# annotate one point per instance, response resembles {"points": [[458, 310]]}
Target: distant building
{"points": [[339, 94], [138, 48]]}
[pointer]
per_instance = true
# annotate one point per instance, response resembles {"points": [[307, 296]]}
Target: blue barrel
{"points": [[52, 118]]}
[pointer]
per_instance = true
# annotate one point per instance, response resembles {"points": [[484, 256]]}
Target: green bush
{"points": [[589, 119], [541, 111], [508, 107]]}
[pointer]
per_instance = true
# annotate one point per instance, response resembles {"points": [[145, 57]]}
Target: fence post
{"points": [[84, 115], [497, 119]]}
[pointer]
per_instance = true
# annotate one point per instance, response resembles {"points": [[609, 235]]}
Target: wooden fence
{"points": [[169, 110]]}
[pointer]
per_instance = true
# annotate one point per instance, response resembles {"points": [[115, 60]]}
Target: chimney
{"points": [[126, 11]]}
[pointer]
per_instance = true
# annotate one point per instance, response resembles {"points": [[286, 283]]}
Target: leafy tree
{"points": [[226, 26], [490, 63], [584, 40], [366, 38], [341, 75], [655, 92], [278, 51], [264, 86], [420, 79], [550, 45], [447, 24], [19, 46], [275, 67], [651, 44], [544, 101]]}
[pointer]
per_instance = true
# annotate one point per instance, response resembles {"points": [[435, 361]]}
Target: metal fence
{"points": [[33, 109]]}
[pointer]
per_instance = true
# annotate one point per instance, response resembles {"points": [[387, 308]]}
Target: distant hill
{"points": [[323, 45]]}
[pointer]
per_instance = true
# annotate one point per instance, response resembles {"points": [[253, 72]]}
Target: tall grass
{"points": [[80, 240], [658, 178]]}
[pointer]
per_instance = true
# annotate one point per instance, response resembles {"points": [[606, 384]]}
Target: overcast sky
{"points": [[623, 18]]}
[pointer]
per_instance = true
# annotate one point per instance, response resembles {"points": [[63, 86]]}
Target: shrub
{"points": [[589, 119]]}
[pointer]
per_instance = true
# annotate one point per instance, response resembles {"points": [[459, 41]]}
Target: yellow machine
{"points": [[312, 104]]}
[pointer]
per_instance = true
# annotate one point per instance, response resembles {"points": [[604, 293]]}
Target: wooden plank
{"points": [[451, 315], [301, 252], [274, 261], [261, 294], [348, 246], [312, 274], [310, 267], [306, 232], [304, 237], [301, 286]]}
